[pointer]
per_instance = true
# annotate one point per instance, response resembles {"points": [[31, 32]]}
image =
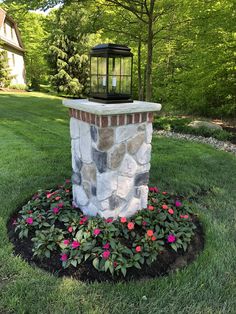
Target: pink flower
{"points": [[83, 220], [171, 238], [130, 225], [144, 223], [70, 229], [56, 210], [67, 180], [106, 254], [66, 242], [57, 198], [106, 246], [156, 189], [75, 244], [123, 220], [178, 204], [64, 257], [150, 207], [96, 231], [14, 222], [49, 195], [184, 216], [60, 205], [29, 220], [138, 249], [151, 189], [170, 211]]}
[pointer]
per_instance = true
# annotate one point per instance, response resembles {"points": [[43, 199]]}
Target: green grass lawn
{"points": [[35, 153]]}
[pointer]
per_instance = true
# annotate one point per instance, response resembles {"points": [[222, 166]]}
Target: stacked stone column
{"points": [[110, 158]]}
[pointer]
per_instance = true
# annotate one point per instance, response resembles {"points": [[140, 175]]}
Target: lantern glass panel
{"points": [[94, 83], [126, 66], [102, 66], [125, 84], [94, 65], [114, 84]]}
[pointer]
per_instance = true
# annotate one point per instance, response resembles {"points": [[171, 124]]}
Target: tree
{"points": [[5, 77]]}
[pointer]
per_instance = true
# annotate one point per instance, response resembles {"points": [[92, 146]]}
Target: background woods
{"points": [[183, 51]]}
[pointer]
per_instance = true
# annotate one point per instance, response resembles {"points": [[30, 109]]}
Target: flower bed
{"points": [[51, 230]]}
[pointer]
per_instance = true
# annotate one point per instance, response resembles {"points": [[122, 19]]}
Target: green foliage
{"points": [[5, 76], [180, 125], [18, 86], [109, 245]]}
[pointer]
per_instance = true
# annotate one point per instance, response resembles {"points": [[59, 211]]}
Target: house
{"points": [[12, 44]]}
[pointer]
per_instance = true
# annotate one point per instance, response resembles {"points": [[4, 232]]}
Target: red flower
{"points": [[170, 211], [64, 257], [29, 211], [106, 254], [184, 216], [154, 238], [60, 205], [75, 244], [156, 189], [151, 189], [144, 223], [67, 180], [123, 219], [130, 225], [106, 246], [171, 238], [115, 264], [138, 248], [164, 193], [83, 220], [29, 220], [56, 210], [150, 233], [150, 207], [108, 220], [96, 231], [164, 207], [70, 229], [67, 191]]}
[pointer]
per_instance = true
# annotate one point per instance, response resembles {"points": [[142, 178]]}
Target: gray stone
{"points": [[76, 178], [142, 127], [133, 145], [114, 202], [94, 190], [143, 196], [144, 168], [94, 133], [143, 155], [87, 189], [89, 172], [106, 184], [106, 138], [125, 186], [85, 142], [79, 196], [100, 159], [76, 163], [74, 128], [128, 166], [204, 124], [141, 179], [123, 133], [105, 205], [149, 130], [90, 210], [116, 155]]}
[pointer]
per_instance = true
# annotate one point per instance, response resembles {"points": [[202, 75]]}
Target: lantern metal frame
{"points": [[111, 51]]}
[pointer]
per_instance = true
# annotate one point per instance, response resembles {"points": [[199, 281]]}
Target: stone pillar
{"points": [[111, 151]]}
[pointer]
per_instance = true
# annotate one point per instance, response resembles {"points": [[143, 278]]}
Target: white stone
{"points": [[107, 109], [128, 166], [110, 213], [133, 206], [79, 196], [143, 155], [90, 209], [85, 142], [149, 130], [143, 196], [143, 168], [104, 205], [106, 184], [75, 153], [125, 132], [125, 186], [74, 128]]}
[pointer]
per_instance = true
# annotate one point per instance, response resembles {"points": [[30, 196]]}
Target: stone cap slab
{"points": [[101, 109]]}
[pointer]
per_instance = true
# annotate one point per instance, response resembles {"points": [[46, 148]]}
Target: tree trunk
{"points": [[150, 53]]}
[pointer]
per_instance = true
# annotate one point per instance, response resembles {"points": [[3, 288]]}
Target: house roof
{"points": [[4, 16]]}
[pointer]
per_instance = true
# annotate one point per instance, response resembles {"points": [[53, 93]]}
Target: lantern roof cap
{"points": [[110, 49]]}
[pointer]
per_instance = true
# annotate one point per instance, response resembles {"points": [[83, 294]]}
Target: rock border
{"points": [[219, 145]]}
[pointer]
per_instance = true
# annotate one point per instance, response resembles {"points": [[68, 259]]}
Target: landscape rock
{"points": [[100, 159], [133, 145], [116, 155], [106, 138], [200, 124]]}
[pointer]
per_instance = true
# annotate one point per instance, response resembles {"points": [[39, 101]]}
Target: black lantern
{"points": [[111, 73]]}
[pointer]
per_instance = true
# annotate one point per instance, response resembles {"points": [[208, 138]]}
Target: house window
{"points": [[13, 60]]}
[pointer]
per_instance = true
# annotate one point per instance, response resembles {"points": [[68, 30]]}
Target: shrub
{"points": [[54, 225], [18, 86]]}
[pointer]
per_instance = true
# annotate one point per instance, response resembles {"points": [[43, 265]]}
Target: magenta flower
{"points": [[151, 189], [66, 242], [109, 220], [75, 244], [29, 220], [171, 238], [106, 254], [178, 204], [96, 232], [60, 205], [64, 257], [56, 210], [106, 246]]}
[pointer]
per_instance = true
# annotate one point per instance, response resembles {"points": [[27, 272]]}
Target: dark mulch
{"points": [[168, 261]]}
